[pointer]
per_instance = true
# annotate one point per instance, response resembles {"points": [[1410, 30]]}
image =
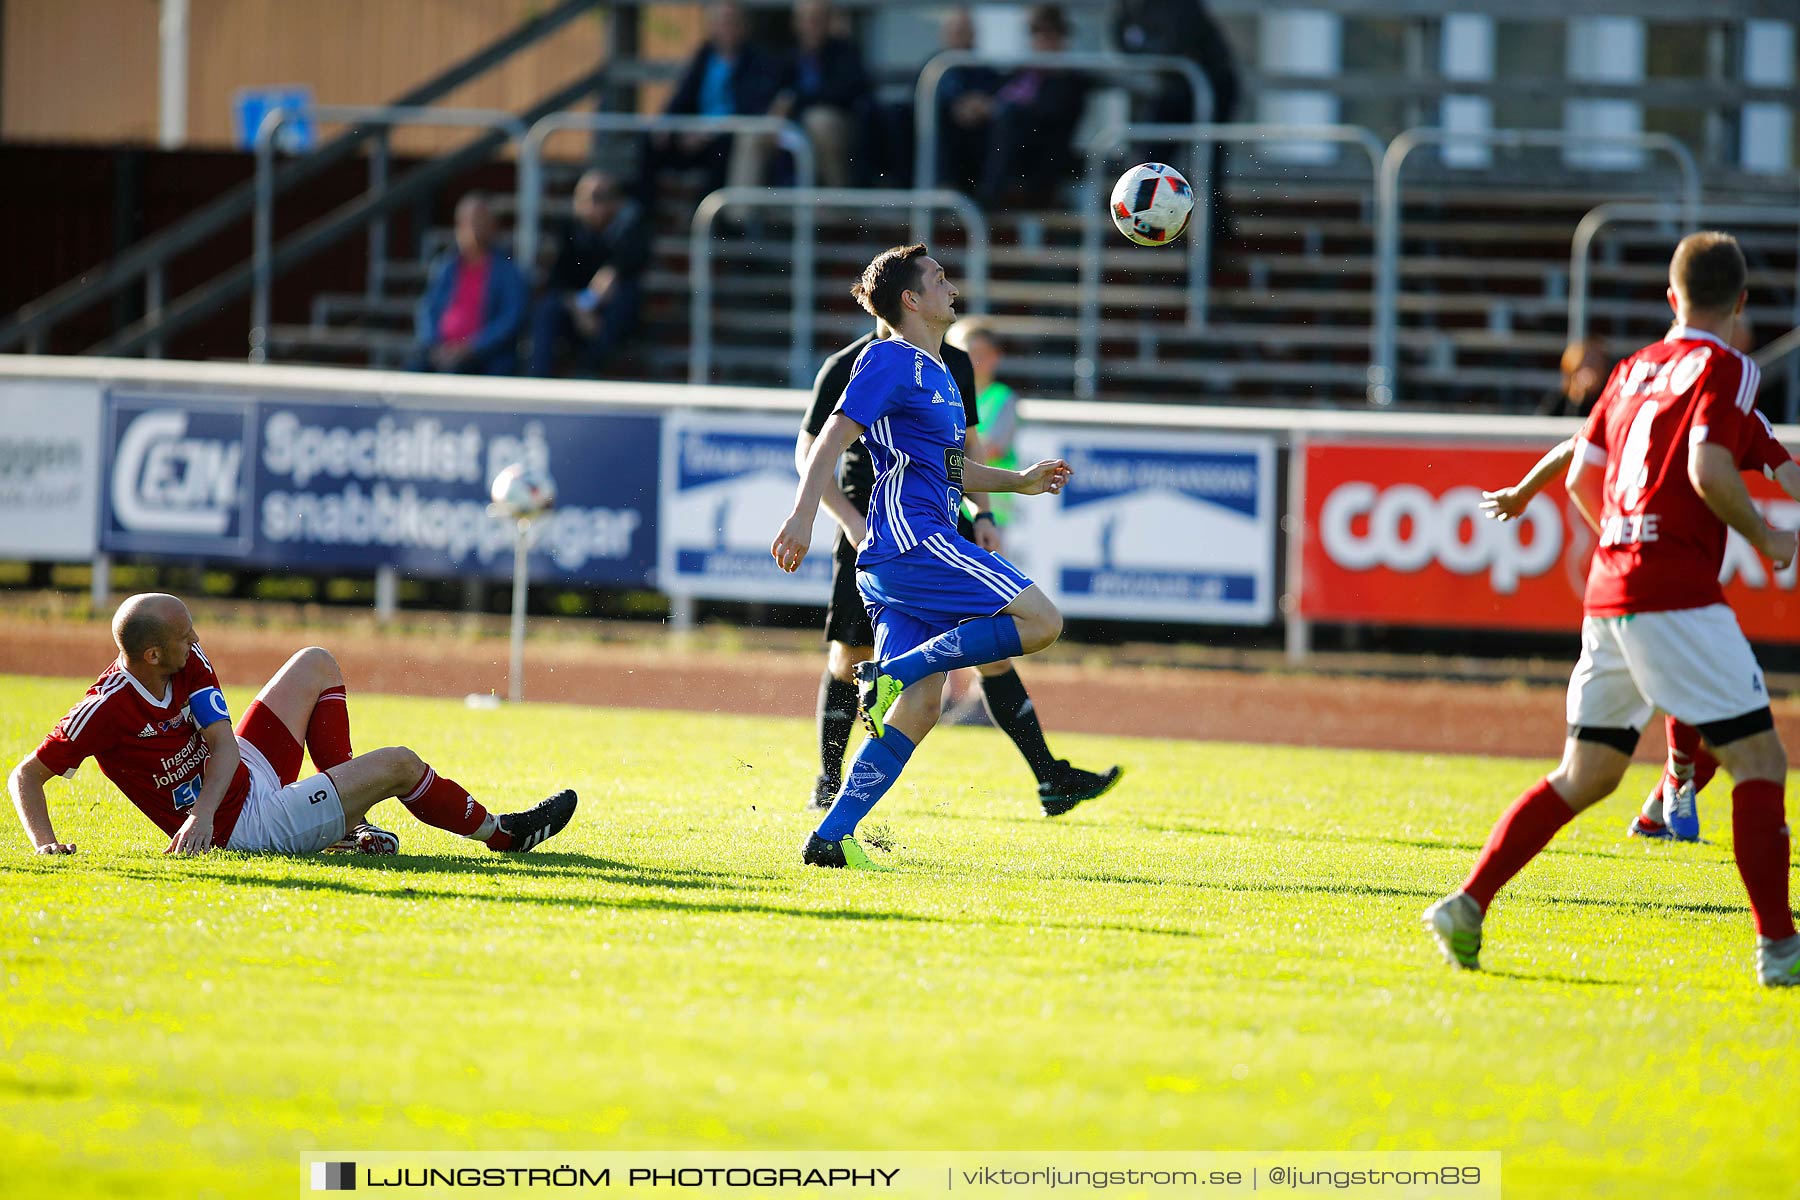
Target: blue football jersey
{"points": [[913, 421]]}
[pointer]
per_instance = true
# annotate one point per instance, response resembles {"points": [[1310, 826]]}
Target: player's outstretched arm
{"points": [[1511, 502], [26, 785], [795, 537], [1714, 473], [837, 505], [1047, 476], [222, 758]]}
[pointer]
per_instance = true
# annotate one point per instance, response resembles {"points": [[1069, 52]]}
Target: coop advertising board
{"points": [[1152, 527], [49, 469], [358, 483], [1394, 535], [728, 483]]}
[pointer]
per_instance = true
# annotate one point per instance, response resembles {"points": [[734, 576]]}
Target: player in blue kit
{"points": [[938, 601]]}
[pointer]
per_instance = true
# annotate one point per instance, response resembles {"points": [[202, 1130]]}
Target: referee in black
{"points": [[849, 636]]}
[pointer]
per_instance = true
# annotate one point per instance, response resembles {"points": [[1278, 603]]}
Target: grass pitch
{"points": [[1223, 954]]}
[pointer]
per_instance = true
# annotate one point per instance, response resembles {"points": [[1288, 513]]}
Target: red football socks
{"points": [[1759, 839], [1518, 836], [328, 730], [446, 804], [1688, 757]]}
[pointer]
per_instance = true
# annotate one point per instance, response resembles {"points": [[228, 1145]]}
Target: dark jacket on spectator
{"points": [[622, 244], [502, 304], [755, 78], [1185, 29], [837, 77]]}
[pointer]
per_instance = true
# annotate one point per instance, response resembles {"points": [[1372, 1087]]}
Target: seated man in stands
{"points": [[592, 293], [965, 107], [474, 304], [826, 89], [1034, 117], [727, 76]]}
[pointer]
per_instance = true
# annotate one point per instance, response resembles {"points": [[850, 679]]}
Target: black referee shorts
{"points": [[846, 621]]}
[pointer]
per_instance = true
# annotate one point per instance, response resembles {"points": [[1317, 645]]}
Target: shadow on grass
{"points": [[598, 870], [1546, 977]]}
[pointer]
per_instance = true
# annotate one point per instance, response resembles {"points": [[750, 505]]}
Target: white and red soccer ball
{"points": [[522, 493], [1152, 204]]}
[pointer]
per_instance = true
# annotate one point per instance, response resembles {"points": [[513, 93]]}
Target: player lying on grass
{"points": [[849, 637], [1655, 474], [938, 601], [1672, 808], [157, 724]]}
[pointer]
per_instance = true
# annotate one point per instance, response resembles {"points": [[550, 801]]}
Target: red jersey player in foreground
{"points": [[1671, 811], [1655, 472], [157, 724]]}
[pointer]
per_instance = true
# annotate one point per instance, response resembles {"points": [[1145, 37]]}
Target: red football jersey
{"points": [[149, 746], [1660, 546]]}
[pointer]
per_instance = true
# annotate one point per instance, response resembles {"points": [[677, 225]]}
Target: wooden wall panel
{"points": [[361, 52], [86, 70], [78, 70]]}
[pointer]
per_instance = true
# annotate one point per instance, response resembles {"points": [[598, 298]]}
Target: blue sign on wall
{"points": [[357, 486]]}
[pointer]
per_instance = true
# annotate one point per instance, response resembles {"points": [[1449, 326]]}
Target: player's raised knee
{"points": [[319, 662], [1039, 629], [401, 767]]}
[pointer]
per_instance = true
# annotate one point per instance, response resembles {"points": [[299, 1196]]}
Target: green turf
{"points": [[1223, 954]]}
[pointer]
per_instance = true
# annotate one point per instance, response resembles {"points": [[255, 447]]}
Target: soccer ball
{"points": [[522, 493], [1151, 204]]}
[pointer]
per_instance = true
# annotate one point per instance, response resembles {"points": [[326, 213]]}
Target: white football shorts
{"points": [[1693, 663], [302, 818]]}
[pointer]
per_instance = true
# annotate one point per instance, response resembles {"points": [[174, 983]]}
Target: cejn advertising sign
{"points": [[1394, 535]]}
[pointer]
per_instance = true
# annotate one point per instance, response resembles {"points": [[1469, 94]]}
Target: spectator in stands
{"points": [[474, 304], [1034, 117], [1585, 366], [825, 88], [965, 108], [1183, 29], [592, 294], [727, 76]]}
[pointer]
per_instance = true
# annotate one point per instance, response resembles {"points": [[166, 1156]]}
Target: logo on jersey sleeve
{"points": [[953, 464]]}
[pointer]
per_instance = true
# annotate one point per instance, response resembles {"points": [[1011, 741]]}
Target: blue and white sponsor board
{"points": [[728, 484], [354, 486], [49, 469], [1152, 527], [178, 476]]}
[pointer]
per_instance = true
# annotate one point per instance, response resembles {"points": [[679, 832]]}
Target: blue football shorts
{"points": [[932, 588]]}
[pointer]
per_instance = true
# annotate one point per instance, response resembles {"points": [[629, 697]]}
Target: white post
{"points": [[100, 583], [1766, 131], [172, 75], [1466, 52], [1298, 630], [515, 671], [1300, 43], [1605, 50], [387, 594]]}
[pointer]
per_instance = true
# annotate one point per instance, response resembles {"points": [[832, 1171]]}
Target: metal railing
{"points": [[148, 259], [388, 117], [786, 133], [925, 107], [1199, 240], [1383, 374], [1619, 211], [204, 301], [800, 360]]}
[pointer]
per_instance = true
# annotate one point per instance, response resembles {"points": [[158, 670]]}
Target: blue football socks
{"points": [[872, 772], [983, 640]]}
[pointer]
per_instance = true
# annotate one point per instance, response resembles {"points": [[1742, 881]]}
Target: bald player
{"points": [[157, 724]]}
